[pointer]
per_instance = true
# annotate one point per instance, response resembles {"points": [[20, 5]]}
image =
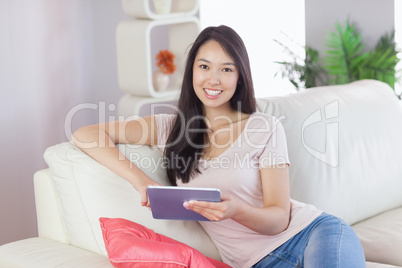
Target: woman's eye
{"points": [[227, 70], [203, 66]]}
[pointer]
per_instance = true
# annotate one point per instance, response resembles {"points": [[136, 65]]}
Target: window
{"points": [[259, 23]]}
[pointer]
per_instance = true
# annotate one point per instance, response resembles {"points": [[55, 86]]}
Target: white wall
{"points": [[54, 55], [259, 23], [106, 15]]}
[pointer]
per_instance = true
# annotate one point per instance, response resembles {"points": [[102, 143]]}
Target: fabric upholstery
{"points": [[48, 208], [46, 253], [381, 237]]}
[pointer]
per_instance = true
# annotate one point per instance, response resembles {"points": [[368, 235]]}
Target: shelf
{"points": [[144, 9], [133, 107], [138, 42]]}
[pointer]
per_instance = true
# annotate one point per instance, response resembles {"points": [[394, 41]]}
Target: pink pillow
{"points": [[129, 244]]}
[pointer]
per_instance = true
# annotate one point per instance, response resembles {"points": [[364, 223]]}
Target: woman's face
{"points": [[215, 75]]}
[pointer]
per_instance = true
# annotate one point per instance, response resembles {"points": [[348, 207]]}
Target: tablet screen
{"points": [[167, 201]]}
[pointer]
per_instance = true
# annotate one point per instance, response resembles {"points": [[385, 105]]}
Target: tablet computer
{"points": [[167, 201]]}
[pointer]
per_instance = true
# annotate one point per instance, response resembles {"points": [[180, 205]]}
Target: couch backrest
{"points": [[87, 191], [345, 147]]}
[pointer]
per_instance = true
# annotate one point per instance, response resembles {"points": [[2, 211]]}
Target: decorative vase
{"points": [[160, 80], [162, 6]]}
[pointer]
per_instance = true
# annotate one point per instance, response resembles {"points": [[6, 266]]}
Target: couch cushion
{"points": [[379, 265], [345, 147], [381, 237], [89, 191], [130, 245], [45, 253]]}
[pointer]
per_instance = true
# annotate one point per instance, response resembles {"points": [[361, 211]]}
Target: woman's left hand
{"points": [[214, 211]]}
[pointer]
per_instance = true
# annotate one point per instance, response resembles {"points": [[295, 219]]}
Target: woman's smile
{"points": [[212, 93]]}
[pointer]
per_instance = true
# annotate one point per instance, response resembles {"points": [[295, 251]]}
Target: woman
{"points": [[219, 140]]}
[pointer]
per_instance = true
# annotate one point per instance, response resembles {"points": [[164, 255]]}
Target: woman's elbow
{"points": [[84, 137], [282, 222]]}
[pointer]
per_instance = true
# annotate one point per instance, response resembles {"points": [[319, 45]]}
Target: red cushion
{"points": [[129, 244]]}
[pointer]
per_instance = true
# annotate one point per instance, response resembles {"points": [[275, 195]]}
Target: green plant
{"points": [[346, 59], [302, 72], [382, 62]]}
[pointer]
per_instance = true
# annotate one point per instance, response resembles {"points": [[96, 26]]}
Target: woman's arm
{"points": [[271, 219], [99, 141]]}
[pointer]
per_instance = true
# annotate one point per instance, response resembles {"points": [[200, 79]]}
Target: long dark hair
{"points": [[183, 150]]}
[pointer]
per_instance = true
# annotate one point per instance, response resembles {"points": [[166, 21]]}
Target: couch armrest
{"points": [[48, 208]]}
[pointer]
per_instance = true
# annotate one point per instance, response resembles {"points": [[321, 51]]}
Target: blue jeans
{"points": [[325, 243]]}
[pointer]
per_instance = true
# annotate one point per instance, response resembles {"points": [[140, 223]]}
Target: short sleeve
{"points": [[164, 125], [275, 151]]}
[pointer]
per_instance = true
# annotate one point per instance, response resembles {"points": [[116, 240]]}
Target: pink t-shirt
{"points": [[236, 172]]}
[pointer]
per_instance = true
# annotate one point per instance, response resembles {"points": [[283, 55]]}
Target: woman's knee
{"points": [[333, 243]]}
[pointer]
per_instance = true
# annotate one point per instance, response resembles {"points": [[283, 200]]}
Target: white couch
{"points": [[345, 146]]}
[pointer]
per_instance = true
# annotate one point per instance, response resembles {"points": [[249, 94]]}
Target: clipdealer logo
{"points": [[331, 154]]}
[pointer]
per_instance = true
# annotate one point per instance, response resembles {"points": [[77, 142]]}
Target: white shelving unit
{"points": [[139, 40], [144, 9], [135, 58]]}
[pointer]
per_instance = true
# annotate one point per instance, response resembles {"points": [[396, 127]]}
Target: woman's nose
{"points": [[214, 78]]}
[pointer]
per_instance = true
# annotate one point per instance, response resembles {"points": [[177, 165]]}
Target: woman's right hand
{"points": [[142, 189]]}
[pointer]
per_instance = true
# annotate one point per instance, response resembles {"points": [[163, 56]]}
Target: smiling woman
{"points": [[259, 23], [215, 76]]}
